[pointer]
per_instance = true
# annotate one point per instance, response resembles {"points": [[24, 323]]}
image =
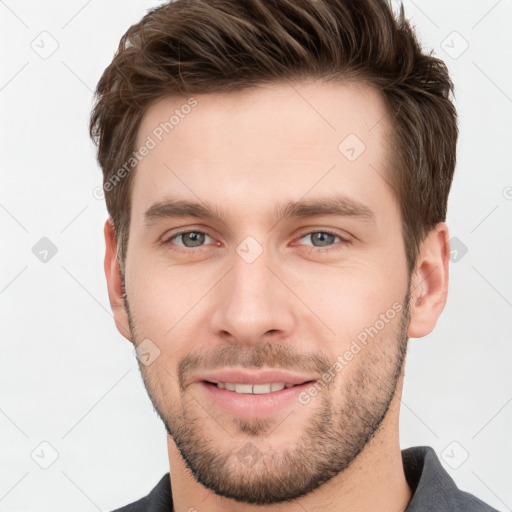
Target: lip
{"points": [[254, 377], [251, 406]]}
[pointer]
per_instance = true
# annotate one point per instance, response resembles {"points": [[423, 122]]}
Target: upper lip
{"points": [[254, 377]]}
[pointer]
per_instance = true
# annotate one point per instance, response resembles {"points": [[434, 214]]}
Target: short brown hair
{"points": [[203, 46]]}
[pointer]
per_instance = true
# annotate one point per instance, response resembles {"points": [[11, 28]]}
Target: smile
{"points": [[256, 389], [252, 401]]}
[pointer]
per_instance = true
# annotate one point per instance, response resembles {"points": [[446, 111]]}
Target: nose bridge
{"points": [[250, 280], [251, 301]]}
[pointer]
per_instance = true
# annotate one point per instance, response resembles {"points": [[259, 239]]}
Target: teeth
{"points": [[257, 389], [243, 388], [261, 389]]}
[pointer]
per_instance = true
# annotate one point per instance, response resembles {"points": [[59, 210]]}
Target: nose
{"points": [[253, 303]]}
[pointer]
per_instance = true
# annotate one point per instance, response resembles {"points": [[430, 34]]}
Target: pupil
{"points": [[321, 237], [196, 238]]}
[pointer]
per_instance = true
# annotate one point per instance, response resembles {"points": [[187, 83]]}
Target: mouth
{"points": [[255, 389], [256, 395]]}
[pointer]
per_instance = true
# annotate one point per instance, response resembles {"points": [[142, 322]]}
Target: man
{"points": [[277, 175]]}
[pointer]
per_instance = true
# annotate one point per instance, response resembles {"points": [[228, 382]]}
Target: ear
{"points": [[115, 288], [429, 284]]}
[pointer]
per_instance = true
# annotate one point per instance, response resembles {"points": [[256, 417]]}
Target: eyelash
{"points": [[312, 249]]}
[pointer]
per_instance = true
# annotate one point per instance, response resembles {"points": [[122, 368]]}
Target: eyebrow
{"points": [[339, 205]]}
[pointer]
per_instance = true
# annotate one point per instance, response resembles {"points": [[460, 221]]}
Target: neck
{"points": [[374, 481]]}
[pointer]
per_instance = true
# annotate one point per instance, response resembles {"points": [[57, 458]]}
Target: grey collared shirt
{"points": [[433, 488]]}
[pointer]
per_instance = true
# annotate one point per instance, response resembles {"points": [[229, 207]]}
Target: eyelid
{"points": [[330, 231], [172, 233], [176, 235], [167, 240], [343, 240]]}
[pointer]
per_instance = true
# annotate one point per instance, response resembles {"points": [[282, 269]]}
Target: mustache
{"points": [[271, 355]]}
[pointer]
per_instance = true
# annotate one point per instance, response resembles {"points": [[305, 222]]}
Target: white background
{"points": [[68, 378]]}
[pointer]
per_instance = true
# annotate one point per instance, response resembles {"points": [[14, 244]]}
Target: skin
{"points": [[245, 153]]}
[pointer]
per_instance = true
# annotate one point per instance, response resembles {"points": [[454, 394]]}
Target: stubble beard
{"points": [[331, 441]]}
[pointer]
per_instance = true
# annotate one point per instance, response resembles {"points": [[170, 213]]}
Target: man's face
{"points": [[254, 292]]}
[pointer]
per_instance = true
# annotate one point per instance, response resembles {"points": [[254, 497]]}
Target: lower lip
{"points": [[250, 406]]}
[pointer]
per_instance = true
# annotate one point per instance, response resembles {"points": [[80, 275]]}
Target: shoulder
{"points": [[159, 499], [432, 487], [136, 506]]}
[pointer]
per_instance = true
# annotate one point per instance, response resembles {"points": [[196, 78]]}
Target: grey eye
{"points": [[191, 238], [321, 238]]}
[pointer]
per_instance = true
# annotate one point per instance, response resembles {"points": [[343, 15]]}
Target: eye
{"points": [[185, 241], [322, 240], [189, 239]]}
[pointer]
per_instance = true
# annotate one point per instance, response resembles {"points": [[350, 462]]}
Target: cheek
{"points": [[164, 297], [350, 296]]}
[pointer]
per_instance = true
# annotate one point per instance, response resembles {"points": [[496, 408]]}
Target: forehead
{"points": [[286, 138], [306, 109]]}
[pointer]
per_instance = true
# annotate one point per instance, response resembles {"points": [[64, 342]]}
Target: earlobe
{"points": [[429, 284], [113, 275]]}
